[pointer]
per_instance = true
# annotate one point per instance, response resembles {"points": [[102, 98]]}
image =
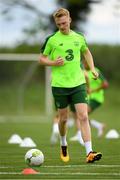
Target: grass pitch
{"points": [[12, 156], [39, 129]]}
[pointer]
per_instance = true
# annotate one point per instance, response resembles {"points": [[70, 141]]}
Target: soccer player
{"points": [[95, 89], [62, 51]]}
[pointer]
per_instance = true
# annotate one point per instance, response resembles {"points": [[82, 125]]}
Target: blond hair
{"points": [[61, 12]]}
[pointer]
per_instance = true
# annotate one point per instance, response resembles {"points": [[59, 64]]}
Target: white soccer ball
{"points": [[34, 157]]}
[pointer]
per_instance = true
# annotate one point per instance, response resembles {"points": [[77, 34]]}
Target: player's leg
{"points": [[78, 135], [61, 102], [79, 98], [99, 126], [93, 104], [81, 110], [70, 121], [63, 114], [55, 130], [94, 123]]}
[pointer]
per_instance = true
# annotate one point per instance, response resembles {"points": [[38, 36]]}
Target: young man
{"points": [[95, 89], [62, 51]]}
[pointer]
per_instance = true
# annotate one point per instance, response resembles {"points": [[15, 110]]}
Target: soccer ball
{"points": [[34, 157]]}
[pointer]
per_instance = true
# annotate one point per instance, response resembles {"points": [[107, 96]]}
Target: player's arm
{"points": [[104, 83], [44, 60], [88, 57], [87, 81]]}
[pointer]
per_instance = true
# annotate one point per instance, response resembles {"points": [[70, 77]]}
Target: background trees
{"points": [[38, 21]]}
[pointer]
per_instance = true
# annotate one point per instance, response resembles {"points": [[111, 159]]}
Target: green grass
{"points": [[12, 156], [14, 100]]}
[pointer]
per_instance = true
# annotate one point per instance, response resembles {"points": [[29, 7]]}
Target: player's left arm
{"points": [[104, 85], [87, 81], [88, 57]]}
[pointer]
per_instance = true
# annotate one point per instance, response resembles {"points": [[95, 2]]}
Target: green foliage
{"points": [[21, 48], [108, 59], [29, 12], [79, 10], [40, 20]]}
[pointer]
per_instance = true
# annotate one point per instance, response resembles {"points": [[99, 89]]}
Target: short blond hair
{"points": [[61, 12]]}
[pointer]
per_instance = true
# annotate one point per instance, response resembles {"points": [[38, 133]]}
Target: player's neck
{"points": [[67, 32]]}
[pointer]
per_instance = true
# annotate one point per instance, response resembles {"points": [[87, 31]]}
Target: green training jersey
{"points": [[69, 47], [98, 95]]}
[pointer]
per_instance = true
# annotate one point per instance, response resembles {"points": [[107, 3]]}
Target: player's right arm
{"points": [[44, 60]]}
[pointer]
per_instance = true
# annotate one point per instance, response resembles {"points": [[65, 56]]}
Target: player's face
{"points": [[63, 24]]}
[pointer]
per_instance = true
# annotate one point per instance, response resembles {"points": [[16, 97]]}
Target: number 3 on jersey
{"points": [[70, 55]]}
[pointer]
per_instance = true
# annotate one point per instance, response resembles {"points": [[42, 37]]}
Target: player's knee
{"points": [[83, 117]]}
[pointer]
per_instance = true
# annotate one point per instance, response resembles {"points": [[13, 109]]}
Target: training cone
{"points": [[112, 134], [27, 142], [15, 139], [29, 171]]}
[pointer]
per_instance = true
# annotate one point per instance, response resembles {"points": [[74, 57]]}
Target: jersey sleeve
{"points": [[84, 45], [46, 48]]}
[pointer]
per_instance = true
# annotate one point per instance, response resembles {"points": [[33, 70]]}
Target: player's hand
{"points": [[59, 61], [95, 74]]}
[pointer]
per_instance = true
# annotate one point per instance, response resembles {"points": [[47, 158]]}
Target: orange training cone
{"points": [[29, 171]]}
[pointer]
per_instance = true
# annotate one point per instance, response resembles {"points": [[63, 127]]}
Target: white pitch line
{"points": [[73, 166], [75, 173], [92, 165], [10, 173]]}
